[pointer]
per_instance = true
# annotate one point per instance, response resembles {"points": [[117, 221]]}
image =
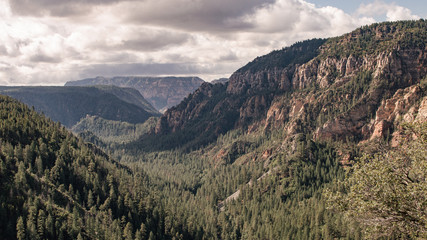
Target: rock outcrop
{"points": [[351, 87], [388, 75]]}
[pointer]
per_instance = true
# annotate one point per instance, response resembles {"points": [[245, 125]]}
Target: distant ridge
{"points": [[220, 80], [69, 104], [161, 92]]}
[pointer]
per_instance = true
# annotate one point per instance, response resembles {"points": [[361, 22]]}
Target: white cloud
{"points": [[400, 13], [391, 11], [46, 44]]}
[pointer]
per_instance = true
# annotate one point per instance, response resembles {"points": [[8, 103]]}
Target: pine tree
{"points": [[21, 176], [143, 231], [20, 229], [128, 232], [50, 225], [79, 236], [41, 220], [151, 236], [90, 200], [39, 166]]}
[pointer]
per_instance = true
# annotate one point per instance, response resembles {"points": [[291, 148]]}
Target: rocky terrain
{"points": [[358, 86], [161, 92], [325, 139]]}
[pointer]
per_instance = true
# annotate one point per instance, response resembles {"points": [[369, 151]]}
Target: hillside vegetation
{"points": [[69, 104], [55, 186], [324, 139], [109, 131], [281, 131]]}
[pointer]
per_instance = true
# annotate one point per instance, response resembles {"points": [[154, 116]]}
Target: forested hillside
{"points": [[55, 186], [324, 139], [69, 104], [257, 153], [110, 131]]}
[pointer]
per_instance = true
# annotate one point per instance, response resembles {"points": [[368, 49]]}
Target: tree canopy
{"points": [[387, 192]]}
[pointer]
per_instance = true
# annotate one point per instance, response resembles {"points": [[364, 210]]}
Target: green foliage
{"points": [[287, 204], [283, 204], [387, 192], [213, 110], [298, 53], [377, 38], [197, 131], [20, 229], [207, 178], [70, 104], [206, 158], [109, 131], [54, 186], [335, 101]]}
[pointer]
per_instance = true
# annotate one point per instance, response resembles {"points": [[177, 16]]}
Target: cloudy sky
{"points": [[49, 42]]}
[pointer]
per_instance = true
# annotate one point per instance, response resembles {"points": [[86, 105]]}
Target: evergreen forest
{"points": [[275, 153]]}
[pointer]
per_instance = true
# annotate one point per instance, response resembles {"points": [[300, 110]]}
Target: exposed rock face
{"points": [[234, 151], [251, 83], [161, 92], [253, 108], [192, 108], [244, 99], [273, 72], [422, 111], [347, 87], [387, 74], [396, 108]]}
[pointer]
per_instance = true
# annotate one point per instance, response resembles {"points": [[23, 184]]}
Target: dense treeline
{"points": [[299, 53], [278, 196], [367, 42], [276, 182], [54, 186], [114, 131], [70, 104]]}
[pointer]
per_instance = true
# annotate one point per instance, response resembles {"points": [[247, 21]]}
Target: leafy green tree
{"points": [[387, 192]]}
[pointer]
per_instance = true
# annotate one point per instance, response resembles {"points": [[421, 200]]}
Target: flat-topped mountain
{"points": [[69, 104], [161, 92]]}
